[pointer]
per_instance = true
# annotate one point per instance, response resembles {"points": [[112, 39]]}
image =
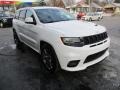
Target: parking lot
{"points": [[24, 71]]}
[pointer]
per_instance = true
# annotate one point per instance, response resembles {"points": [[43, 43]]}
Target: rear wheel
{"points": [[49, 58], [19, 44]]}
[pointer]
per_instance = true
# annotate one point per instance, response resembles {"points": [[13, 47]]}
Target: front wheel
{"points": [[98, 18], [90, 19], [49, 58]]}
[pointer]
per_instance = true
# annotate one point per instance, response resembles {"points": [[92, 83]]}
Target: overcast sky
{"points": [[98, 0]]}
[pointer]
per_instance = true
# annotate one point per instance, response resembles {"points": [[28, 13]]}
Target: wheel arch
{"points": [[42, 42], [46, 43], [15, 31]]}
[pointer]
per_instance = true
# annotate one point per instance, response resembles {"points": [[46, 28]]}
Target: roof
{"points": [[109, 6], [79, 4], [116, 4], [82, 5], [40, 7], [71, 6], [95, 5], [45, 7]]}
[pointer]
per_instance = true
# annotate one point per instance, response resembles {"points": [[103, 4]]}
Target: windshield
{"points": [[3, 15], [53, 15]]}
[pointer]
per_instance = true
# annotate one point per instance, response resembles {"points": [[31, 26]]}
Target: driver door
{"points": [[31, 30]]}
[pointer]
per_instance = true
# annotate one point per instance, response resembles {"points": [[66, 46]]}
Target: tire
{"points": [[90, 19], [102, 17], [49, 59], [98, 18], [19, 44]]}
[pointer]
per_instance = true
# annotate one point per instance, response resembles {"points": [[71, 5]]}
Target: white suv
{"points": [[62, 41]]}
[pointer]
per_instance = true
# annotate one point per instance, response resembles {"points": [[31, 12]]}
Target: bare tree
{"points": [[62, 3], [58, 3], [69, 2], [42, 3]]}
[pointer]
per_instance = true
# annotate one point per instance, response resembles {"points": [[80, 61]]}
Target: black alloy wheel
{"points": [[49, 59], [19, 44]]}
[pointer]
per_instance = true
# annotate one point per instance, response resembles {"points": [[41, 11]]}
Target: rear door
{"points": [[16, 21], [21, 25]]}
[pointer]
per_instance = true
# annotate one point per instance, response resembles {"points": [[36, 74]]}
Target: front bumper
{"points": [[66, 54], [7, 22]]}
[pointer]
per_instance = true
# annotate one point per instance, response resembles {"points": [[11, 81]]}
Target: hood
{"points": [[75, 28]]}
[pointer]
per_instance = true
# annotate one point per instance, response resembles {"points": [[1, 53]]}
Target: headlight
{"points": [[73, 41]]}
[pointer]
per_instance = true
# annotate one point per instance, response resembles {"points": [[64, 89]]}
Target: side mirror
{"points": [[29, 20]]}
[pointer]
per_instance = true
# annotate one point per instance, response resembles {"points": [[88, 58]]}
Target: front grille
{"points": [[95, 38], [95, 56], [9, 20]]}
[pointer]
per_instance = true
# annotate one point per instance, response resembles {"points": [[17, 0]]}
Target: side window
{"points": [[29, 13], [22, 15]]}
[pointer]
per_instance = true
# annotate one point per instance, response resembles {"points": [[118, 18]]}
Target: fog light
{"points": [[73, 63]]}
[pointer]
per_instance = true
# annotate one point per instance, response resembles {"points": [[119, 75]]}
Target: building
{"points": [[78, 7], [109, 8], [117, 10], [95, 7]]}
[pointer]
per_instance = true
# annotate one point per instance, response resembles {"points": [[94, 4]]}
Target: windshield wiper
{"points": [[50, 22], [64, 20], [58, 21]]}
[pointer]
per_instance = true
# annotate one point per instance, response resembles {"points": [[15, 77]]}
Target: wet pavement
{"points": [[24, 71]]}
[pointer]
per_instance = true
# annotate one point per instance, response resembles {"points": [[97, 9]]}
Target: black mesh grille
{"points": [[9, 20], [95, 56], [95, 38]]}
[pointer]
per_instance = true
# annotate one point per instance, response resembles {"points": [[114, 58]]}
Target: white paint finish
{"points": [[52, 33], [1, 48]]}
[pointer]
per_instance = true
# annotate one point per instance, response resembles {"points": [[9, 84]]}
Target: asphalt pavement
{"points": [[24, 71]]}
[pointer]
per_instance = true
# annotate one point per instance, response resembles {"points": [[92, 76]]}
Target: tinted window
{"points": [[3, 15], [22, 15], [53, 15]]}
